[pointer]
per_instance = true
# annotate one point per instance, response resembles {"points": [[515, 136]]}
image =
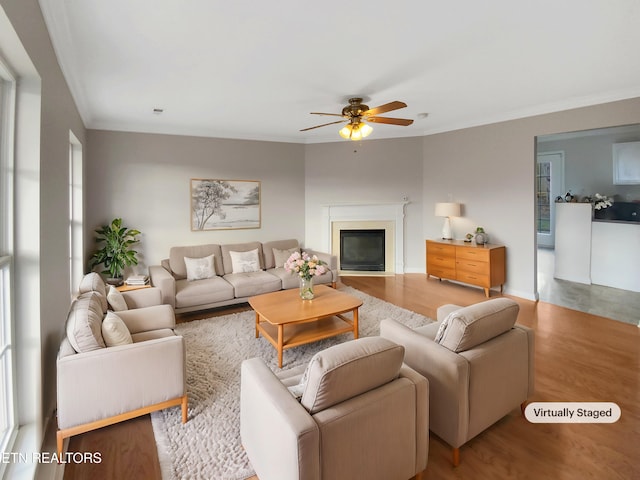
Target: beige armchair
{"points": [[113, 366], [479, 364], [361, 413]]}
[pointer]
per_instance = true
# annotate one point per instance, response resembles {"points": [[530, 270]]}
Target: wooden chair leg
{"points": [[185, 408], [418, 476], [455, 457], [523, 406], [59, 443]]}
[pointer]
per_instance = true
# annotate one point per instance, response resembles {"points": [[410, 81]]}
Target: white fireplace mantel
{"points": [[391, 212]]}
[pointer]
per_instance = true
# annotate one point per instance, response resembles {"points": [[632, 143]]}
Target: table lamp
{"points": [[447, 210]]}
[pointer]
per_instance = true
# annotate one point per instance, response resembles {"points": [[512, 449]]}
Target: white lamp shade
{"points": [[447, 209]]}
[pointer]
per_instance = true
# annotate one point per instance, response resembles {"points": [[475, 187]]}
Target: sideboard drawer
{"points": [[442, 261], [440, 249], [472, 266], [473, 254], [440, 272]]}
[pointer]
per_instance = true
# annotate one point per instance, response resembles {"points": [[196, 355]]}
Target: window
{"points": [[75, 213], [8, 423], [543, 194]]}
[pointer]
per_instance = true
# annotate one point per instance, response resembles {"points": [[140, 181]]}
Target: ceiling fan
{"points": [[357, 113]]}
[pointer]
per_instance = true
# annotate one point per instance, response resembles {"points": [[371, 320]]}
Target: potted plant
{"points": [[116, 252], [481, 236]]}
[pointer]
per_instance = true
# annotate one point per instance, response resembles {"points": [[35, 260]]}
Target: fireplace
{"points": [[362, 250], [388, 217]]}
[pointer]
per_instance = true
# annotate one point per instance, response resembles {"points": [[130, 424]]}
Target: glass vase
{"points": [[306, 288]]}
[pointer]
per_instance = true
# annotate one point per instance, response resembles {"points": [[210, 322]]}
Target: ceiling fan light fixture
{"points": [[365, 129], [345, 132], [355, 131]]}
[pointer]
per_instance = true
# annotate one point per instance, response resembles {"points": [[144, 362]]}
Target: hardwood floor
{"points": [[579, 357]]}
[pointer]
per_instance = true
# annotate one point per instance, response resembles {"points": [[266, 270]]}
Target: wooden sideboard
{"points": [[481, 265]]}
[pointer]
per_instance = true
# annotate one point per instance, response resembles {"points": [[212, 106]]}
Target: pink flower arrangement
{"points": [[305, 265]]}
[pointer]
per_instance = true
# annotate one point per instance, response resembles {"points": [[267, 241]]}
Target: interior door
{"points": [[549, 185]]}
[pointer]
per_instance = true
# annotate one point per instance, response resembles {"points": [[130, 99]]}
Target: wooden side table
{"points": [[128, 288]]}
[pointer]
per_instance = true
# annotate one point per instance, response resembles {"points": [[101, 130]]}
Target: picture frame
{"points": [[218, 204]]}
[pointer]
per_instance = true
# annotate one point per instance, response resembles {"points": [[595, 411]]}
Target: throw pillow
{"points": [[281, 256], [200, 268], [92, 282], [116, 300], [443, 328], [298, 389], [244, 262], [470, 326], [115, 331], [84, 321], [349, 369]]}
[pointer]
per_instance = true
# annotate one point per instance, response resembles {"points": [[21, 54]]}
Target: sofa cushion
{"points": [[116, 300], [202, 292], [253, 283], [177, 254], [115, 331], [282, 245], [245, 262], [470, 326], [288, 279], [84, 323], [200, 268], [350, 369], [238, 247]]}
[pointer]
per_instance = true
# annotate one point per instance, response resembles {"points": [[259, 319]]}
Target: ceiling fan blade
{"points": [[331, 114], [323, 125], [387, 107], [391, 121]]}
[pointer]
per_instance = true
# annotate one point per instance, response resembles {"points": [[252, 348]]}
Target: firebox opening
{"points": [[362, 250]]}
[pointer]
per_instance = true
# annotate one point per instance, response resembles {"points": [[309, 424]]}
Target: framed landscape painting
{"points": [[224, 204]]}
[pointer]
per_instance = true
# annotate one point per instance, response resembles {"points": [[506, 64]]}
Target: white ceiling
{"points": [[255, 69]]}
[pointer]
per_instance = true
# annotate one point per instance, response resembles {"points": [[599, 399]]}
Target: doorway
{"points": [[549, 185]]}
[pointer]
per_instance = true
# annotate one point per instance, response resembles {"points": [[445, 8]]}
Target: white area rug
{"points": [[208, 445]]}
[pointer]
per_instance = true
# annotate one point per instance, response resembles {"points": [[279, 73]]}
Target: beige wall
{"points": [[145, 179], [372, 171], [490, 170]]}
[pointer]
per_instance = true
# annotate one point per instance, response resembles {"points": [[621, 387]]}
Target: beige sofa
{"points": [[479, 363], [357, 412], [113, 366], [225, 285]]}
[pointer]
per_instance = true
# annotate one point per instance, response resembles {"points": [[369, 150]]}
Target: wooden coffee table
{"points": [[287, 321]]}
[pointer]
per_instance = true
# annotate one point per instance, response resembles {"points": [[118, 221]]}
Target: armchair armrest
{"points": [[162, 278], [145, 319], [144, 297], [422, 415], [111, 381], [269, 411], [448, 375], [330, 260]]}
